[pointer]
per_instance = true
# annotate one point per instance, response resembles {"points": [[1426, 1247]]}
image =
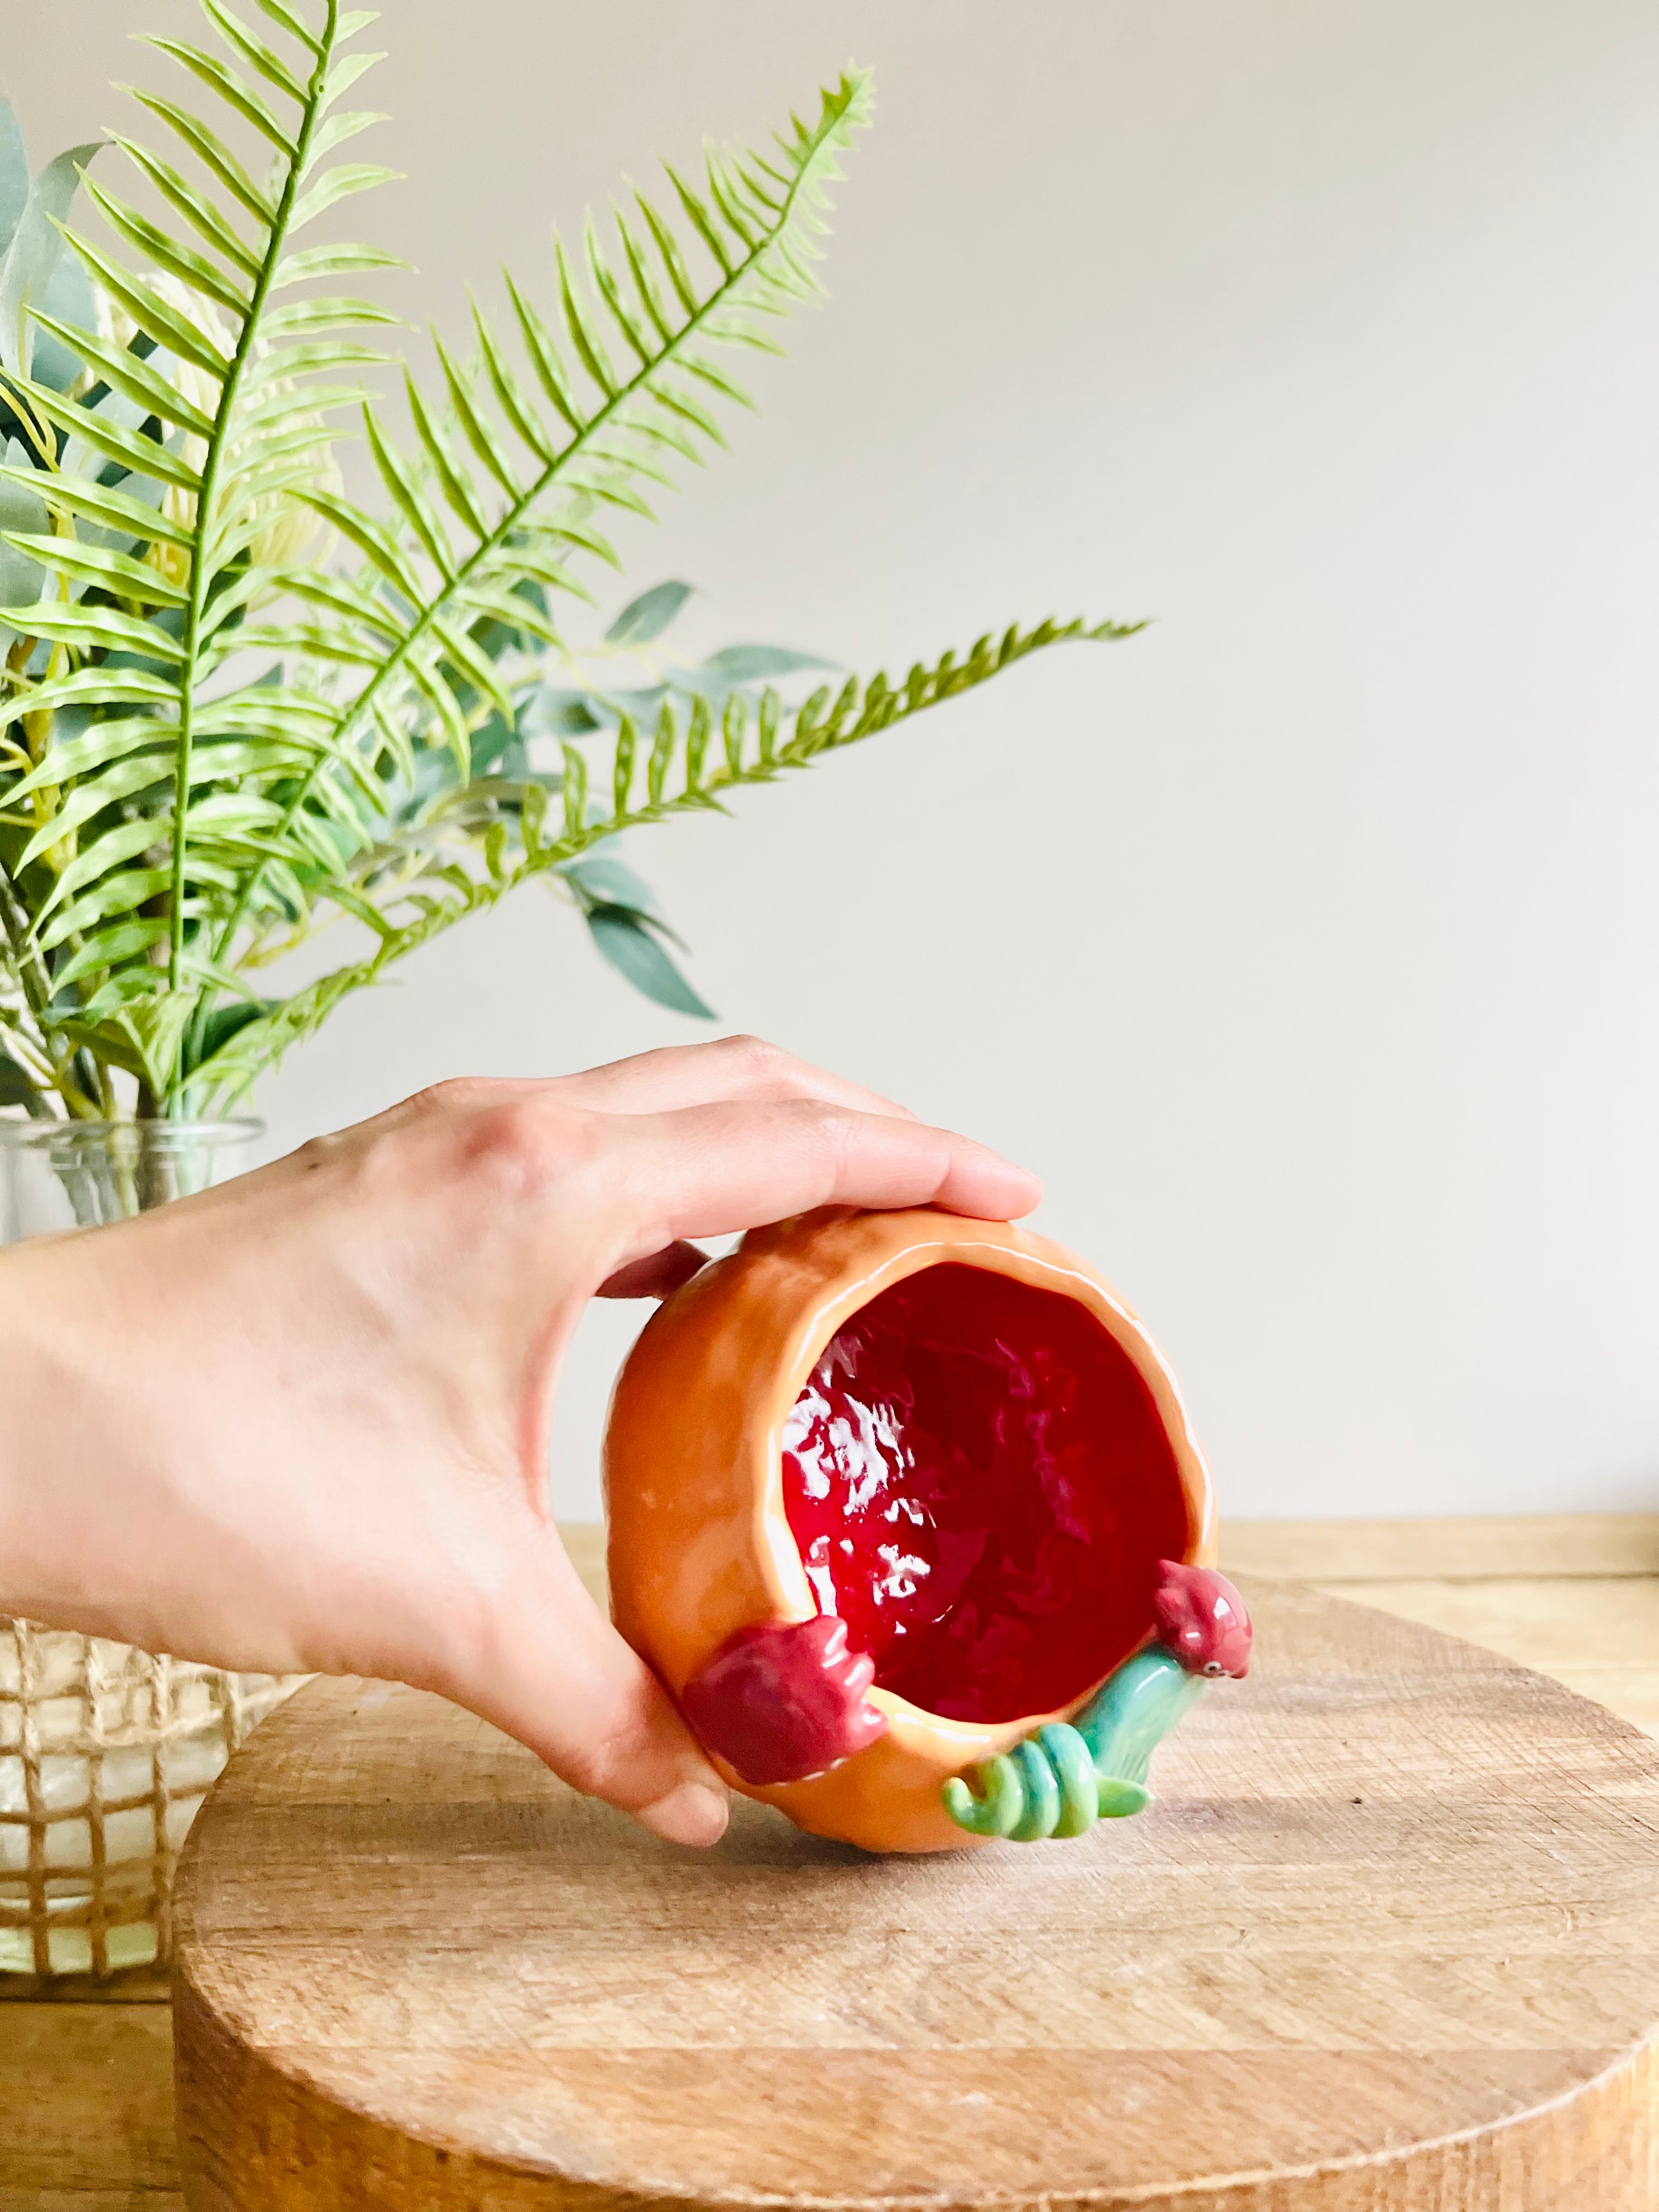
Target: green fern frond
{"points": [[593, 431], [213, 741], [683, 774], [233, 374]]}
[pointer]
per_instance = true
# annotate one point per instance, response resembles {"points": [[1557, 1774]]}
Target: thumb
{"points": [[554, 1673]]}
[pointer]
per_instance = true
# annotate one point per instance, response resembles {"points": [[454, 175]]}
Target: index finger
{"points": [[710, 1170], [729, 1068]]}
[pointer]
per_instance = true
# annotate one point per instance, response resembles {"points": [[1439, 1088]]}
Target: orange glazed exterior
{"points": [[699, 1544]]}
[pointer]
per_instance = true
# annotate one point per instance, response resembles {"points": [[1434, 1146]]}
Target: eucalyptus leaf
{"points": [[648, 616], [33, 254], [550, 711], [490, 744], [68, 297], [633, 951], [757, 664], [13, 173], [605, 880]]}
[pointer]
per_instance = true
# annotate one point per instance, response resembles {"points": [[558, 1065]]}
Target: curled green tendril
{"points": [[1060, 1781], [1074, 1770], [1042, 1789], [996, 1809]]}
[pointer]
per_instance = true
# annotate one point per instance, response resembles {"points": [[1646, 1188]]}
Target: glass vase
{"points": [[105, 1752]]}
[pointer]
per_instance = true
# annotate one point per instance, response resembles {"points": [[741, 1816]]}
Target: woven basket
{"points": [[105, 1755]]}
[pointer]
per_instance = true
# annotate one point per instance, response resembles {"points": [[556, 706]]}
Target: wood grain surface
{"points": [[86, 2090], [1457, 1548], [86, 2108], [1390, 1938]]}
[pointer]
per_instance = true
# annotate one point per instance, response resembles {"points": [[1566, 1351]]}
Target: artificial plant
{"points": [[237, 704]]}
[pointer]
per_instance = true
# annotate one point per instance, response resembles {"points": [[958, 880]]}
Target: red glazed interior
{"points": [[980, 1486]]}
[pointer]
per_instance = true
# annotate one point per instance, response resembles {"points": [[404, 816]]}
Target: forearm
{"points": [[170, 1442], [46, 1396]]}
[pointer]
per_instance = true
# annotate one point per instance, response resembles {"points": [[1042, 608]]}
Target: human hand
{"points": [[299, 1424]]}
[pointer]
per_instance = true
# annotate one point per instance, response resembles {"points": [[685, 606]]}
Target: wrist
{"points": [[42, 1407]]}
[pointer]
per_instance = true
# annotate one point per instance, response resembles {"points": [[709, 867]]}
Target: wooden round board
{"points": [[1388, 1938]]}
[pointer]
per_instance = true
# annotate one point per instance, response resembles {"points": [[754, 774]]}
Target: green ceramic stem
{"points": [[1061, 1780]]}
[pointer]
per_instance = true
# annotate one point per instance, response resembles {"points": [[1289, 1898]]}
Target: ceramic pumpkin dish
{"points": [[906, 1513]]}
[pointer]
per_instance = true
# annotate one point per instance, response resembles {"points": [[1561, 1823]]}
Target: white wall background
{"points": [[1308, 945]]}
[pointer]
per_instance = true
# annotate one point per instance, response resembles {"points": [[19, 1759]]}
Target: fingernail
{"points": [[693, 1813]]}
